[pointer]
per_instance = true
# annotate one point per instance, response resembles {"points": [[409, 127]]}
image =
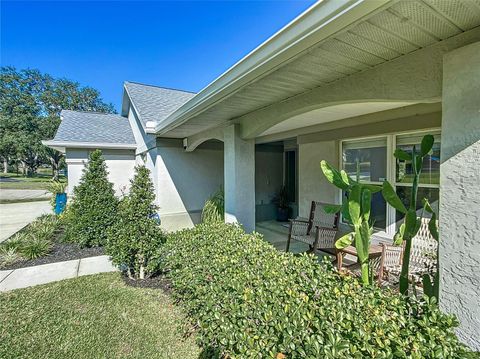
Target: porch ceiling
{"points": [[396, 29], [332, 113]]}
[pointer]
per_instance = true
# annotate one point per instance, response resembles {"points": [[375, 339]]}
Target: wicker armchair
{"points": [[378, 264], [318, 231], [422, 255]]}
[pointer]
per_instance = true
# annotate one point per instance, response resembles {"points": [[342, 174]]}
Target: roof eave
{"points": [[317, 23], [59, 145]]}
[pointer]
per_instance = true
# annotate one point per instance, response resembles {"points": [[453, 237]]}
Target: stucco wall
{"points": [[186, 180], [312, 183], [120, 165], [460, 191]]}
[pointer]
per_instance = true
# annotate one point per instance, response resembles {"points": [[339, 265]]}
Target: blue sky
{"points": [[180, 44]]}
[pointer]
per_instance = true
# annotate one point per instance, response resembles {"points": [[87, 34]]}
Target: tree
{"points": [[30, 106], [94, 206], [135, 237]]}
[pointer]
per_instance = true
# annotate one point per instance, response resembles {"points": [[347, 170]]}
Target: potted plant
{"points": [[59, 196], [281, 200]]}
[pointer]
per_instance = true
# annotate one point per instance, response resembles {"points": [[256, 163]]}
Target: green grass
{"points": [[92, 317], [39, 181]]}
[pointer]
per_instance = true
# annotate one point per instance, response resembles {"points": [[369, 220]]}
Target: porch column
{"points": [[460, 191], [239, 169]]}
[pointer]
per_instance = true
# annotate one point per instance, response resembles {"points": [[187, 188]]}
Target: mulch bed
{"points": [[157, 282], [60, 252]]}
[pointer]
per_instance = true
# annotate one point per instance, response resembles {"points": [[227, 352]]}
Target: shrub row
{"points": [[248, 300], [125, 226]]}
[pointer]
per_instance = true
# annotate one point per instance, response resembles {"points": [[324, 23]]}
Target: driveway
{"points": [[15, 216]]}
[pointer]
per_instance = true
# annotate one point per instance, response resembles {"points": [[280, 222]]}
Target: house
{"points": [[347, 81]]}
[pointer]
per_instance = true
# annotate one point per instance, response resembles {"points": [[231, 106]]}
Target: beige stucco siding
{"points": [[185, 180], [120, 166]]}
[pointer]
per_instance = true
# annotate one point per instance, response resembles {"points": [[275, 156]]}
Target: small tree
{"points": [[94, 204], [136, 236]]}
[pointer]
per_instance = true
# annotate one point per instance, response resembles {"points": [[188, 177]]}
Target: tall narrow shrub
{"points": [[136, 236], [94, 205]]}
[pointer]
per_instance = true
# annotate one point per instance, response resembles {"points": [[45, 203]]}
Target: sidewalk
{"points": [[52, 272], [15, 216], [24, 194]]}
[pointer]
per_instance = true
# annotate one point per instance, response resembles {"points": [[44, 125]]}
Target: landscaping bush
{"points": [[32, 242], [94, 205], [214, 208], [248, 300], [135, 236]]}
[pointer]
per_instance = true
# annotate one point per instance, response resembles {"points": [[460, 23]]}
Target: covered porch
{"points": [[350, 85]]}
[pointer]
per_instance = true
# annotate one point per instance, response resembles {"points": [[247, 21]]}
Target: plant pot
{"points": [[282, 214], [60, 202]]}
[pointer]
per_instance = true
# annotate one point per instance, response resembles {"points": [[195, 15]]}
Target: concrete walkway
{"points": [[15, 216], [52, 272], [24, 194]]}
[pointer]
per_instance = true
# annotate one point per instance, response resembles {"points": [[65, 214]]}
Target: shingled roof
{"points": [[85, 128], [154, 103]]}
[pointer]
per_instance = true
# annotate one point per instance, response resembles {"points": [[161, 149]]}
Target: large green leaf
{"points": [[354, 203], [344, 241], [427, 206], [398, 237], [410, 224], [362, 243], [366, 203], [427, 144], [346, 212], [332, 175], [391, 197], [432, 226], [402, 155], [332, 208], [372, 187], [346, 178]]}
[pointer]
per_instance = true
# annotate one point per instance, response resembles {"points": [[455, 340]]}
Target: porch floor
{"points": [[276, 233]]}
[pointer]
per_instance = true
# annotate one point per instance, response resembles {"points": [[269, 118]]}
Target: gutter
{"points": [[322, 20], [69, 144]]}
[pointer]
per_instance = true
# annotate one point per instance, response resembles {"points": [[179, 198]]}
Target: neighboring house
{"points": [[347, 81]]}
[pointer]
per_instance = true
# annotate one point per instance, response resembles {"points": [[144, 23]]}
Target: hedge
{"points": [[246, 300]]}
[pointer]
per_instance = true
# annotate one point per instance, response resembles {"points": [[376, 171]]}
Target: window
{"points": [[373, 161], [428, 186], [367, 160]]}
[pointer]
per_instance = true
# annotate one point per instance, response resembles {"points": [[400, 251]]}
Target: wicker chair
{"points": [[422, 255], [318, 231]]}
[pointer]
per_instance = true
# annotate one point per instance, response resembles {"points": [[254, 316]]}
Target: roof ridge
{"points": [[95, 112], [161, 87]]}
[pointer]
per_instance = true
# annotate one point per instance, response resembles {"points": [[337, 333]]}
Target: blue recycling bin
{"points": [[60, 202]]}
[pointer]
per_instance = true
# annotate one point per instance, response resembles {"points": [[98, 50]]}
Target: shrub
{"points": [[35, 247], [210, 213], [248, 300], [214, 208], [32, 242], [94, 204], [135, 235]]}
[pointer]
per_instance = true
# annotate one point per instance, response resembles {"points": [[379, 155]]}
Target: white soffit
{"points": [[332, 113], [396, 29]]}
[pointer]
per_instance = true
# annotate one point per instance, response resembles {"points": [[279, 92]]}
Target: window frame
{"points": [[391, 145]]}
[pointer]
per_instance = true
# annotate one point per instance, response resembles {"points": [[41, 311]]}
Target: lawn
{"points": [[92, 317], [39, 181]]}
